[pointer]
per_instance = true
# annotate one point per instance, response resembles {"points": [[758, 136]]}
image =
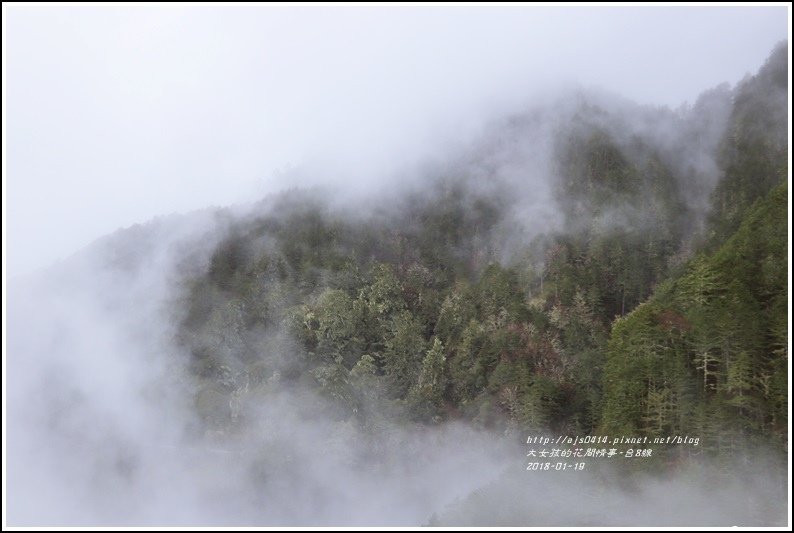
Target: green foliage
{"points": [[403, 352], [427, 394], [456, 311], [706, 345], [467, 364], [338, 324], [754, 148], [617, 323]]}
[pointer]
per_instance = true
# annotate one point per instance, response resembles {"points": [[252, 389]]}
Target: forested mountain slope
{"points": [[587, 266], [707, 354], [653, 301]]}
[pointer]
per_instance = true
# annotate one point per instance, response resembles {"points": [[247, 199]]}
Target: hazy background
{"points": [[115, 115]]}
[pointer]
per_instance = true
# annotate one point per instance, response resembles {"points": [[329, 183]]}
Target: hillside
{"points": [[454, 303], [585, 266]]}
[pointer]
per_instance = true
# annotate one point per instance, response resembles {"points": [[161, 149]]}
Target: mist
{"points": [[103, 430], [212, 106], [193, 191]]}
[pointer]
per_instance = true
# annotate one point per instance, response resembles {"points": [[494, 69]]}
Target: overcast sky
{"points": [[115, 115]]}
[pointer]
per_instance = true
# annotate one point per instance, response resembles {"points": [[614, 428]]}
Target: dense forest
{"points": [[655, 303], [355, 267]]}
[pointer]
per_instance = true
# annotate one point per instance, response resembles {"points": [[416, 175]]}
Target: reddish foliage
{"points": [[670, 320]]}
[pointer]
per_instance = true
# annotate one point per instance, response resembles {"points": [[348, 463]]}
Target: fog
{"points": [[122, 117], [134, 112], [103, 430]]}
